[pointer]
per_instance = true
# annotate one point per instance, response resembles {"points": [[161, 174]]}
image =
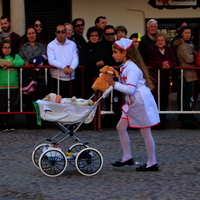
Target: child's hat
{"points": [[4, 35], [124, 43]]}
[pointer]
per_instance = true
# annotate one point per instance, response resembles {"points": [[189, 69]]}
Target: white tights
{"points": [[125, 142]]}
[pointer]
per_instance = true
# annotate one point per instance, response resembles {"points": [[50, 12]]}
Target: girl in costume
{"points": [[140, 110]]}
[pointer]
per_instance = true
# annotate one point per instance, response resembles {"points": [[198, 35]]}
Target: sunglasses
{"points": [[94, 35], [38, 25], [61, 32], [109, 34], [79, 25]]}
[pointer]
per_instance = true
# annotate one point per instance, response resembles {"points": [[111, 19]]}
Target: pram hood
{"points": [[65, 113]]}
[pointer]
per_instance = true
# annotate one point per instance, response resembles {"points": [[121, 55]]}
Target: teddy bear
{"points": [[100, 83]]}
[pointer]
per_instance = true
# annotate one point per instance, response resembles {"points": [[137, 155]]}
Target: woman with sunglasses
{"points": [[93, 56], [31, 77], [41, 29], [9, 82]]}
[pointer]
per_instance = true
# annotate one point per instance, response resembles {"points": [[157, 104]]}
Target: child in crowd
{"points": [[140, 110], [121, 32], [9, 83], [136, 37], [4, 36]]}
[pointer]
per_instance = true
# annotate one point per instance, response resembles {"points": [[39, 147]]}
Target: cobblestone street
{"points": [[177, 153]]}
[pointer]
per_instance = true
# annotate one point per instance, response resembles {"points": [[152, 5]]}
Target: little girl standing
{"points": [[8, 79], [140, 110]]}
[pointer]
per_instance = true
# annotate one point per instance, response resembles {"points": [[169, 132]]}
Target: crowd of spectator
{"points": [[70, 49]]}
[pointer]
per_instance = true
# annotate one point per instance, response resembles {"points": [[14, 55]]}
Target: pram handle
{"points": [[105, 94]]}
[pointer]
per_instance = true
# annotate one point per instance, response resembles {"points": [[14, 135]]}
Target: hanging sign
{"points": [[173, 4]]}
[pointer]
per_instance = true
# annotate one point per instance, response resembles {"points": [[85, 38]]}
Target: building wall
{"points": [[130, 13]]}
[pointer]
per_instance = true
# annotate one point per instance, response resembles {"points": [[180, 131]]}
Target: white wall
{"points": [[130, 13]]}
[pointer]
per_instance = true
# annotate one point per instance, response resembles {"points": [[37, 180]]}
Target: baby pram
{"points": [[47, 154]]}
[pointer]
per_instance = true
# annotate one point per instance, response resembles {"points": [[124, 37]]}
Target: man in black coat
{"points": [[148, 39]]}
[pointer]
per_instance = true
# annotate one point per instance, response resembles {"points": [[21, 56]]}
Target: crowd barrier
{"points": [[172, 107]]}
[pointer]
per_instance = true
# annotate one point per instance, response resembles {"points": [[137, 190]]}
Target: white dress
{"points": [[140, 108]]}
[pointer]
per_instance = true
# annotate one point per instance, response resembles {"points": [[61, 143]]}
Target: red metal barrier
{"points": [[97, 119]]}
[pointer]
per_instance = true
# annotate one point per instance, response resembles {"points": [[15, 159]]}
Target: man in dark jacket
{"points": [[148, 39], [79, 26], [108, 40]]}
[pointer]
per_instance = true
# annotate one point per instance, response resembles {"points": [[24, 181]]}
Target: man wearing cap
{"points": [[6, 28], [149, 39]]}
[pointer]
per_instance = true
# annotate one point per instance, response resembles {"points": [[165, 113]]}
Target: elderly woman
{"points": [[186, 55], [162, 57]]}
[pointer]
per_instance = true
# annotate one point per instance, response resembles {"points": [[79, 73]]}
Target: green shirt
{"points": [[10, 77]]}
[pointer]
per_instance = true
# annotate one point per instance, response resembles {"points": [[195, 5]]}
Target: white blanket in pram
{"points": [[65, 113]]}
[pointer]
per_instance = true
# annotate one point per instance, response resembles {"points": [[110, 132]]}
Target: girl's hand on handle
{"points": [[110, 80]]}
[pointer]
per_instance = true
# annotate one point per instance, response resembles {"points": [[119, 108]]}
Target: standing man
{"points": [[108, 40], [149, 39], [79, 26], [100, 22], [6, 28], [109, 34], [62, 54]]}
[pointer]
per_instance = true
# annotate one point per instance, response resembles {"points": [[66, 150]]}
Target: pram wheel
{"points": [[75, 149], [53, 162], [89, 161], [37, 153]]}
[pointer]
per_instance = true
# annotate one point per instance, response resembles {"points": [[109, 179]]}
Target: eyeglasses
{"points": [[38, 25], [58, 32], [94, 35], [6, 47], [109, 34], [79, 25]]}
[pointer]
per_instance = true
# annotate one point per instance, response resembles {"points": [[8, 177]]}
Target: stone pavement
{"points": [[178, 154]]}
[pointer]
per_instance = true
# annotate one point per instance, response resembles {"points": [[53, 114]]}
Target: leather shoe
{"points": [[120, 164], [144, 167]]}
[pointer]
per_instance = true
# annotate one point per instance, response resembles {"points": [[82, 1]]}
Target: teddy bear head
{"points": [[109, 70]]}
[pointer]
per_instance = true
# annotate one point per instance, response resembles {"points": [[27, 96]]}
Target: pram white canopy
{"points": [[65, 113]]}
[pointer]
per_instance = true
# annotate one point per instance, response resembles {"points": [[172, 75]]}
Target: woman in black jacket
{"points": [[93, 56]]}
